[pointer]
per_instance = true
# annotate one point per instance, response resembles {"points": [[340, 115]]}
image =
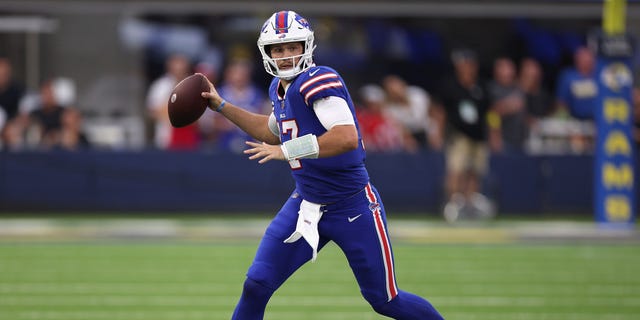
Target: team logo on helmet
{"points": [[302, 21]]}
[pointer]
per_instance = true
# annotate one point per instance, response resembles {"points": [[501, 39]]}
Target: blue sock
{"points": [[408, 306], [253, 301]]}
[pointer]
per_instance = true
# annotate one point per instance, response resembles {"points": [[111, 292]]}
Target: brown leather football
{"points": [[186, 103]]}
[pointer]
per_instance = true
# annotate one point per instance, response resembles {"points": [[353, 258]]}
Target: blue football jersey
{"points": [[323, 180]]}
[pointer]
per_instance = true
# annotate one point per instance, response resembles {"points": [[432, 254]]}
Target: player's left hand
{"points": [[264, 151]]}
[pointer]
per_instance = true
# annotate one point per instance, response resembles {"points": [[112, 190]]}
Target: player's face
{"points": [[286, 55]]}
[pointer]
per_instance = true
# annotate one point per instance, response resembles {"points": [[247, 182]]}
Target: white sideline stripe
{"points": [[415, 231], [104, 289], [296, 315], [538, 316], [129, 315], [170, 300], [309, 301]]}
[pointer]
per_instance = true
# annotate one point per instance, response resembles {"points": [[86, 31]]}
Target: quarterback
{"points": [[314, 129]]}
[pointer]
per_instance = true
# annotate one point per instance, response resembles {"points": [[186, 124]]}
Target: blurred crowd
{"points": [[466, 117], [42, 120], [510, 112]]}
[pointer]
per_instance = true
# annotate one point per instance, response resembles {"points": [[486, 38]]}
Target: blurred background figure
{"points": [[551, 128], [10, 94], [10, 90], [577, 88], [465, 100], [381, 133], [71, 136], [45, 121], [165, 136], [409, 106], [238, 88], [576, 94], [12, 137], [538, 101], [508, 131], [37, 121]]}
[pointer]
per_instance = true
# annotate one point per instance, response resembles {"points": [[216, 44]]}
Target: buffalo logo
{"points": [[374, 206], [302, 21]]}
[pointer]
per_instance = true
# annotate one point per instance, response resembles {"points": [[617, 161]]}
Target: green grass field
{"points": [[158, 279]]}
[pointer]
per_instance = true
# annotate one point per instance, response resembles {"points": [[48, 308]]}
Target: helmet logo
{"points": [[302, 21]]}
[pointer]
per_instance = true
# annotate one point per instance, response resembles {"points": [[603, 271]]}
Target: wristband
{"points": [[305, 147], [221, 106]]}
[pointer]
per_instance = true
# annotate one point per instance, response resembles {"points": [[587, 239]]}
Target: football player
{"points": [[313, 127]]}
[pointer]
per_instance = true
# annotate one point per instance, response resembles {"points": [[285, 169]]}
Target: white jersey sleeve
{"points": [[333, 111], [273, 125]]}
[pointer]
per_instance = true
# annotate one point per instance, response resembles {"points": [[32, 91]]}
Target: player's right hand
{"points": [[214, 98]]}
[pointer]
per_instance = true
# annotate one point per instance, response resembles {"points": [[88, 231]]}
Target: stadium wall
{"points": [[154, 181]]}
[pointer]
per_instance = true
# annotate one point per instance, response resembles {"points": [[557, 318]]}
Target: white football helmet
{"points": [[284, 27]]}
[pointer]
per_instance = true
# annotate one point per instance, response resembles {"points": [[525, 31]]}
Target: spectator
{"points": [[237, 87], [464, 98], [71, 136], [577, 88], [12, 137], [381, 133], [10, 94], [409, 106], [538, 101], [46, 120], [577, 93], [549, 127], [508, 103], [10, 91], [167, 137]]}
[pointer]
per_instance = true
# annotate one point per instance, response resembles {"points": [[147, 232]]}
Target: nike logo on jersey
{"points": [[352, 219], [313, 73]]}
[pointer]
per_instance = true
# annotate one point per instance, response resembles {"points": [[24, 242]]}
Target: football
{"points": [[186, 104]]}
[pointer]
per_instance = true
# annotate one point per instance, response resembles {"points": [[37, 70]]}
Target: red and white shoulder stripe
{"points": [[318, 83]]}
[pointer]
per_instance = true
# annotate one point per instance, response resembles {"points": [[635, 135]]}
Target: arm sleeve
{"points": [[273, 125], [332, 111]]}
